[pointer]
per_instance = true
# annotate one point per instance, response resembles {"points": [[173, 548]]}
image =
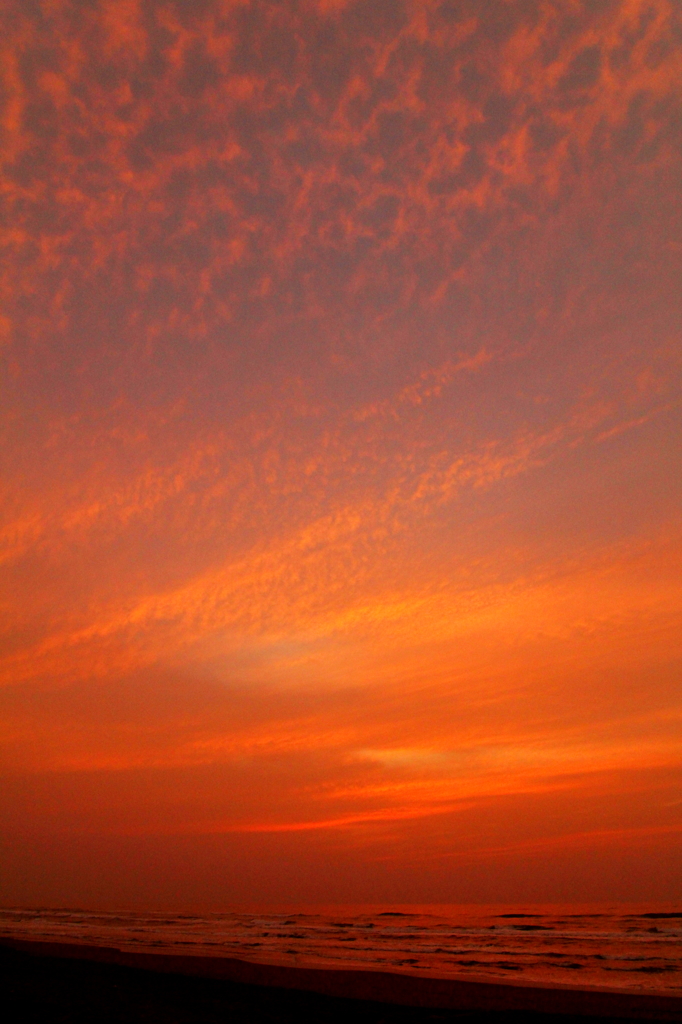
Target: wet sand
{"points": [[58, 982]]}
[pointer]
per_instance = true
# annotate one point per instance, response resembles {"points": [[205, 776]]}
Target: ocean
{"points": [[638, 948]]}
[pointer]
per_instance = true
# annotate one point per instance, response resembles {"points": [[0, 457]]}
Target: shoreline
{"points": [[383, 987]]}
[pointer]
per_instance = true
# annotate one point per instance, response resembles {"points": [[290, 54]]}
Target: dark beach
{"points": [[56, 982]]}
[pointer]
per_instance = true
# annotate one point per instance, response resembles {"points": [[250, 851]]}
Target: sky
{"points": [[340, 522]]}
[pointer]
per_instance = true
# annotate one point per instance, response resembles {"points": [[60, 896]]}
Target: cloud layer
{"points": [[340, 505]]}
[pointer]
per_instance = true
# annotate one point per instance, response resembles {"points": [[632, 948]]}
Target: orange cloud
{"points": [[339, 488]]}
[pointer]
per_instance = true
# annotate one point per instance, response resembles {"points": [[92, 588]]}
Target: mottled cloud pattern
{"points": [[340, 532]]}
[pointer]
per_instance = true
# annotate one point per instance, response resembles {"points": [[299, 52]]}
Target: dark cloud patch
{"points": [[634, 32], [265, 41], [498, 24], [305, 152], [545, 134], [200, 72], [34, 63], [392, 132], [378, 18], [42, 122], [631, 135], [192, 15], [375, 93], [328, 70], [497, 114], [583, 72], [473, 82], [170, 135], [454, 10], [380, 218], [438, 74]]}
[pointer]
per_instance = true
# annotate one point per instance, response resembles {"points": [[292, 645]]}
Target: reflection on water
{"points": [[616, 946]]}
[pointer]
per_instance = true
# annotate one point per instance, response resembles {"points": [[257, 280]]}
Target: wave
{"points": [[613, 948]]}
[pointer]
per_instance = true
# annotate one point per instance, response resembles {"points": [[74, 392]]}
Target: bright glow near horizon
{"points": [[341, 525]]}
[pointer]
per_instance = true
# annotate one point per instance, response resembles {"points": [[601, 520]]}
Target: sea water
{"points": [[626, 947]]}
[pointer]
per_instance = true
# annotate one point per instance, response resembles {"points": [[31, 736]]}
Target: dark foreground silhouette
{"points": [[44, 989]]}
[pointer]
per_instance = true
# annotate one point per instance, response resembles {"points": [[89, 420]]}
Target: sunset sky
{"points": [[341, 493]]}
